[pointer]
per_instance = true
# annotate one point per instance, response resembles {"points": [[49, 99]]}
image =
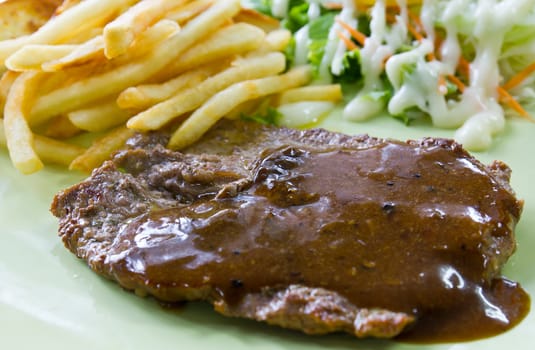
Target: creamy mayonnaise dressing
{"points": [[376, 50], [279, 8], [414, 71]]}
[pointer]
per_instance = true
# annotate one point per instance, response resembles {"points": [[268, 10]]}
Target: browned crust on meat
{"points": [[316, 311]]}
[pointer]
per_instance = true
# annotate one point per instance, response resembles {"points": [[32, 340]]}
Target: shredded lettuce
{"points": [[446, 81], [270, 116], [297, 16], [351, 72]]}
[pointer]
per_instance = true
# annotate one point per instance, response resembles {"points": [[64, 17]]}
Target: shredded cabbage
{"points": [[462, 64]]}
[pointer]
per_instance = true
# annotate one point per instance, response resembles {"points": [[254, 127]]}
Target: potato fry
{"points": [[61, 128], [226, 42], [81, 54], [101, 150], [223, 102], [93, 49], [332, 93], [56, 152], [87, 14], [65, 5], [99, 86], [277, 40], [84, 36], [31, 57], [50, 151], [189, 99], [19, 137], [102, 116], [7, 80], [149, 39], [99, 65], [257, 19], [120, 33], [22, 17], [185, 13], [145, 96]]}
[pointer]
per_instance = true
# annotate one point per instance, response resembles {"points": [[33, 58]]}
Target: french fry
{"points": [[101, 150], [186, 12], [31, 57], [149, 39], [277, 40], [65, 5], [99, 86], [7, 80], [93, 49], [61, 128], [80, 55], [257, 19], [19, 137], [84, 36], [102, 116], [189, 99], [331, 93], [96, 63], [50, 151], [120, 33], [22, 17], [225, 101], [56, 152], [86, 14], [144, 96], [226, 42]]}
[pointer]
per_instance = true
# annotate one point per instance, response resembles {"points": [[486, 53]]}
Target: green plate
{"points": [[51, 300]]}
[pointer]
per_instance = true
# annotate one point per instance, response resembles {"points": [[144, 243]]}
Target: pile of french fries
{"points": [[110, 68]]}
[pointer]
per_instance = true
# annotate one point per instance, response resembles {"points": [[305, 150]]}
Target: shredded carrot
{"points": [[350, 45], [520, 77], [415, 33], [418, 36], [460, 85], [439, 39], [506, 98], [416, 20], [463, 67], [357, 35], [391, 18]]}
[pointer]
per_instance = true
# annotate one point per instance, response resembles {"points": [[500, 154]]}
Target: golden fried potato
{"points": [[23, 17]]}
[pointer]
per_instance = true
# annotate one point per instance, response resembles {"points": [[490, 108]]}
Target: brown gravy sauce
{"points": [[395, 227]]}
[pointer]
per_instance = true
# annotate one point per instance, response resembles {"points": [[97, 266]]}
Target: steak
{"points": [[310, 230]]}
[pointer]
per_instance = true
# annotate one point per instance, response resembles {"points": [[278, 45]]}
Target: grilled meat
{"points": [[309, 230]]}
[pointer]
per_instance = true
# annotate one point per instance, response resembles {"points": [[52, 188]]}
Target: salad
{"points": [[463, 64]]}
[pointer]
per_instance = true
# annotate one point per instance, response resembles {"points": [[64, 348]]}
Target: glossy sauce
{"points": [[393, 226]]}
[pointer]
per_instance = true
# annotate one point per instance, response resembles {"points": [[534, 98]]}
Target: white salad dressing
{"points": [[349, 16], [417, 77], [279, 8], [301, 39], [314, 9], [308, 112], [381, 44]]}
